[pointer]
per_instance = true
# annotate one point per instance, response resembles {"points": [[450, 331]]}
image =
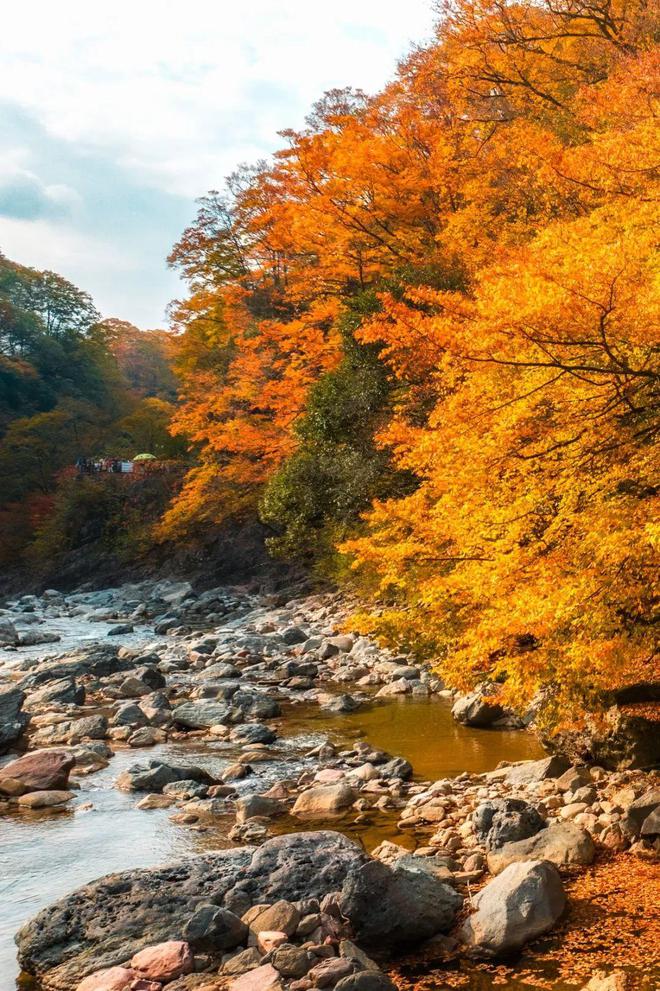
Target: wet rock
{"points": [[523, 902], [31, 638], [8, 633], [186, 789], [202, 714], [111, 919], [257, 805], [41, 770], [153, 775], [165, 961], [215, 928], [252, 733], [397, 906], [120, 630], [324, 799], [398, 767], [563, 844], [44, 799], [13, 720], [505, 820]]}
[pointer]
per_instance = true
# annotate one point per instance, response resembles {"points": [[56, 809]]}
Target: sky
{"points": [[115, 118]]}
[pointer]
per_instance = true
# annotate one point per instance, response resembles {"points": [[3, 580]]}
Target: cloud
{"points": [[140, 107], [24, 196]]}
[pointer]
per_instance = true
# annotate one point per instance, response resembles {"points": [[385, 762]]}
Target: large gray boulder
{"points": [[202, 714], [154, 774], [480, 708], [523, 902], [106, 922], [532, 771], [564, 844], [398, 905], [640, 810], [505, 820], [12, 719]]}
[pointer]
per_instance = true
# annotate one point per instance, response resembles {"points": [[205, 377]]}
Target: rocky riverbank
{"points": [[477, 865]]}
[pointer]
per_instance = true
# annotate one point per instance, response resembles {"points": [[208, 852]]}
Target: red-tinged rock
{"points": [[142, 984], [263, 978], [270, 939], [41, 770], [111, 979], [164, 961]]}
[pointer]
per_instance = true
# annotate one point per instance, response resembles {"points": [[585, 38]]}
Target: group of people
{"points": [[91, 466]]}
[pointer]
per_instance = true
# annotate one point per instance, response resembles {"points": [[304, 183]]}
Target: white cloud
{"points": [[173, 96]]}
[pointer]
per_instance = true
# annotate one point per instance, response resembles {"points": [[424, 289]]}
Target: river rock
{"points": [[242, 961], [264, 978], [283, 916], [89, 727], [505, 820], [106, 922], [366, 980], [44, 799], [8, 633], [62, 691], [202, 714], [257, 805], [41, 770], [531, 771], [564, 844], [215, 928], [479, 708], [165, 961], [252, 733], [110, 979], [12, 719], [324, 799], [154, 774], [637, 812], [397, 906], [523, 902]]}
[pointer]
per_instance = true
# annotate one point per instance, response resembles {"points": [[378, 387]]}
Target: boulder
{"points": [[323, 800], [264, 978], [89, 727], [637, 812], [201, 714], [105, 923], [480, 708], [291, 961], [165, 961], [110, 979], [8, 633], [214, 928], [252, 733], [564, 844], [397, 906], [41, 770], [257, 805], [283, 916], [531, 771], [63, 691], [366, 980], [12, 719], [505, 820], [154, 774], [523, 902], [44, 799], [651, 825], [242, 961]]}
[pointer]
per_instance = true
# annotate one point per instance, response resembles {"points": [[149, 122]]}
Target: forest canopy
{"points": [[423, 340]]}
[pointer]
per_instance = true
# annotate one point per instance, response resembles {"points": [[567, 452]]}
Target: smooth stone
{"points": [[522, 902], [44, 799], [324, 799], [264, 978], [563, 844], [164, 961]]}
